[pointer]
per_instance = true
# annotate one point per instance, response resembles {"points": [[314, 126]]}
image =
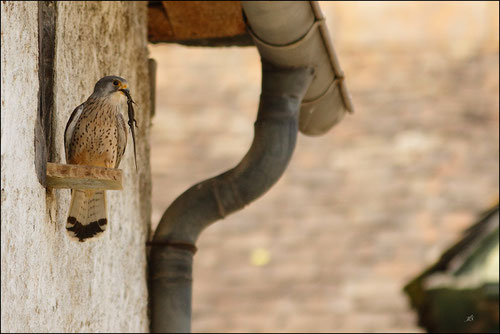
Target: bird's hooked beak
{"points": [[125, 91]]}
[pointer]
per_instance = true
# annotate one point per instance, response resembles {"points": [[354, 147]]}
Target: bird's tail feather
{"points": [[87, 216]]}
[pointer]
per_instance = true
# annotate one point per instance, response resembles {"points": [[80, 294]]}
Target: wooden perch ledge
{"points": [[83, 177]]}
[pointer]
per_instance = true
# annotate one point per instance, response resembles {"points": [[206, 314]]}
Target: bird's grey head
{"points": [[108, 86]]}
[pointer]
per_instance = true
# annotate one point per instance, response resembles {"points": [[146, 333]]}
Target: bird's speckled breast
{"points": [[95, 139]]}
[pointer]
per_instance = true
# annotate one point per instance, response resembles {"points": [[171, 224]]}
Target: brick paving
{"points": [[359, 211]]}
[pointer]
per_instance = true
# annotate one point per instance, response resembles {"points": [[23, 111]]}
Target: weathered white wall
{"points": [[49, 282]]}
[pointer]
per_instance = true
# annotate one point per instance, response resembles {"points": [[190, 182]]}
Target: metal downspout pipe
{"points": [[285, 83], [171, 256]]}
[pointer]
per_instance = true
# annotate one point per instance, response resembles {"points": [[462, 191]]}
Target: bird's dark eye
{"points": [[116, 82]]}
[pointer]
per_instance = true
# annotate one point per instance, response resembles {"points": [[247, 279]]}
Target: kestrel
{"points": [[95, 135]]}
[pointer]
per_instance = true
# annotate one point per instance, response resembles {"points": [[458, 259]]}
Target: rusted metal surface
{"points": [[159, 27], [202, 23]]}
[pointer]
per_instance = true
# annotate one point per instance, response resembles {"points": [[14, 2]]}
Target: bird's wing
{"points": [[70, 128], [122, 138]]}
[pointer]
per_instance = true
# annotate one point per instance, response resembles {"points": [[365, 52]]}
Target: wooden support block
{"points": [[83, 177]]}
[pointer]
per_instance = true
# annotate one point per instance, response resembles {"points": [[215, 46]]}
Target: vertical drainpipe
{"points": [[302, 87], [171, 256]]}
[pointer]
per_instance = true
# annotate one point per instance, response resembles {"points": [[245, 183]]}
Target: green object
{"points": [[460, 292]]}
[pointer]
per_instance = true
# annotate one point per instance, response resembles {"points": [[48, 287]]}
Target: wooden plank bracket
{"points": [[83, 177]]}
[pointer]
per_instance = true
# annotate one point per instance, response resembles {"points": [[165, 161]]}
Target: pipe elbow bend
{"points": [[275, 135]]}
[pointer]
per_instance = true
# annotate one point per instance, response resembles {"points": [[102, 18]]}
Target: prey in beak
{"points": [[131, 117], [125, 91]]}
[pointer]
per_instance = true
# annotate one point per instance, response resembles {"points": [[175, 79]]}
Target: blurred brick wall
{"points": [[360, 210], [459, 28]]}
